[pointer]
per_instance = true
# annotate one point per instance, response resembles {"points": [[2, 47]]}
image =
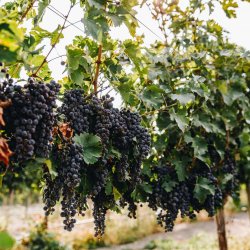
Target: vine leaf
{"points": [[92, 147], [74, 56], [180, 170], [97, 3], [199, 145], [179, 118], [147, 188], [56, 35], [202, 189], [42, 5], [95, 24], [108, 188], [183, 98], [163, 120], [117, 194], [169, 185], [152, 96]]}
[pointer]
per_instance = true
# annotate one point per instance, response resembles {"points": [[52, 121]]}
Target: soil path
{"points": [[238, 225], [18, 220]]}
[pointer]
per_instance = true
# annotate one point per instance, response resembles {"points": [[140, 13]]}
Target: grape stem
{"points": [[54, 44], [98, 63]]}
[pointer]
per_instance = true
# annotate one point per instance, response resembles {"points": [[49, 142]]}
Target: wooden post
{"points": [[248, 197], [221, 229]]}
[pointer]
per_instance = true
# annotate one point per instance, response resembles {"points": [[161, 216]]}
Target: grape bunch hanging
{"points": [[97, 153], [30, 117], [36, 127], [124, 144], [170, 196]]}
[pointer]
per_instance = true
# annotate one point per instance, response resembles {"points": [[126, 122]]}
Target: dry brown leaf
{"points": [[1, 117], [66, 130], [5, 151], [2, 106]]}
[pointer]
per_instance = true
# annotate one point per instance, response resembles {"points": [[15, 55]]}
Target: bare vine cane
{"points": [[54, 44], [98, 63]]}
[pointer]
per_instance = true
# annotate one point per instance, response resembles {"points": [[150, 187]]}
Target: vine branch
{"points": [[98, 63], [27, 10], [60, 56], [54, 44]]}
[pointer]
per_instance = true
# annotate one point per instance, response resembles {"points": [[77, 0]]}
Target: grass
{"points": [[120, 230]]}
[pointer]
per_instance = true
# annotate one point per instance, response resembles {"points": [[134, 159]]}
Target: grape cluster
{"points": [[127, 201], [125, 143], [70, 168], [229, 168], [99, 212], [119, 129], [169, 201], [30, 118], [170, 196], [225, 169], [76, 110], [212, 201]]}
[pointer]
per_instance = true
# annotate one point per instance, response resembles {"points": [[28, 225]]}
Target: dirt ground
{"points": [[238, 225], [18, 220]]}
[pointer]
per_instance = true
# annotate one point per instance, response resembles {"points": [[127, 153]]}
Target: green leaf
{"points": [[116, 20], [180, 118], [139, 194], [180, 169], [77, 77], [163, 120], [247, 116], [169, 185], [116, 209], [203, 121], [233, 93], [1, 180], [56, 35], [146, 188], [199, 145], [6, 241], [6, 55], [117, 194], [183, 98], [95, 23], [109, 188], [92, 147], [97, 3], [152, 96], [227, 178], [114, 153], [160, 142], [42, 5], [126, 89], [74, 56], [203, 188]]}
